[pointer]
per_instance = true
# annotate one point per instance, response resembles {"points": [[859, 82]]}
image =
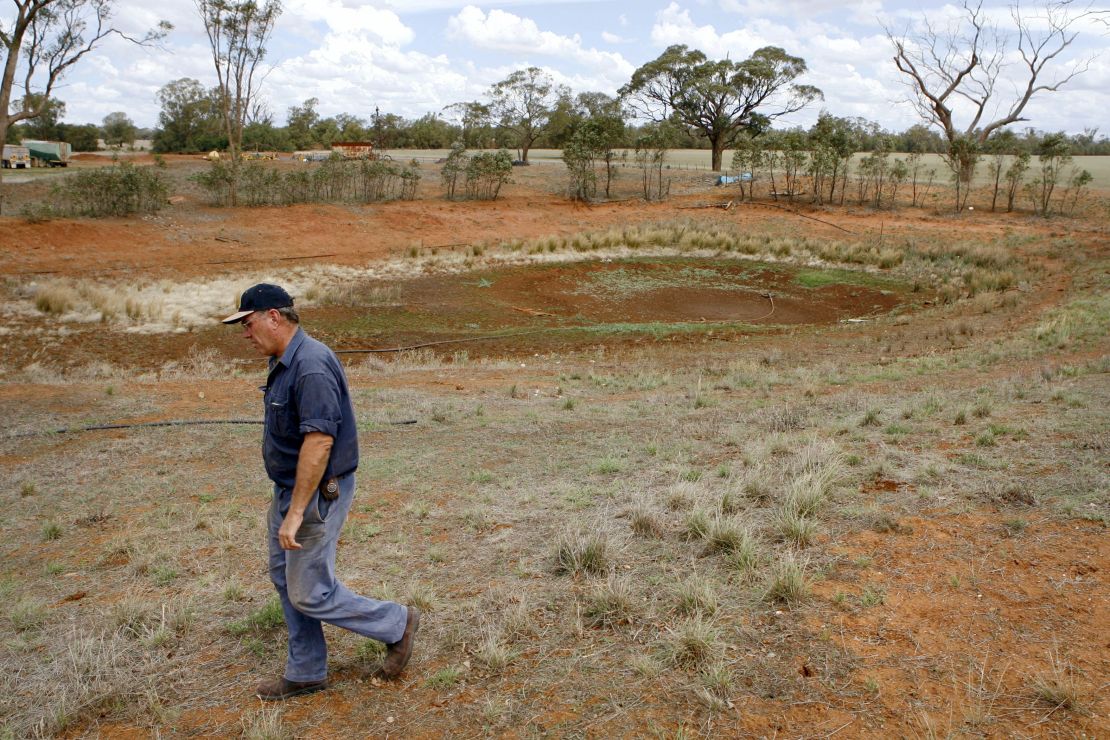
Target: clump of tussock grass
{"points": [[756, 485], [795, 528], [421, 595], [694, 643], [94, 302], [729, 502], [726, 534], [1056, 687], [610, 603], [266, 724], [717, 680], [696, 524], [645, 520], [265, 619], [131, 617], [56, 299], [782, 419], [807, 493], [493, 652], [578, 552], [816, 456], [746, 557], [787, 582], [27, 614], [93, 675], [683, 495], [696, 595]]}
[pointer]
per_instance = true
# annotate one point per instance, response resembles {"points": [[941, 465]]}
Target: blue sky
{"points": [[411, 57]]}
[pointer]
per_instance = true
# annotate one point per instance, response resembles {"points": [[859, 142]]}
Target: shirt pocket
{"points": [[279, 416]]}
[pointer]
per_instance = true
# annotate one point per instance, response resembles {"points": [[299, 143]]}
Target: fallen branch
{"points": [[811, 218], [723, 206]]}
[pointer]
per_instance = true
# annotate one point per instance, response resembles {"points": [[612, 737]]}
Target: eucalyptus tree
{"points": [[719, 99], [523, 103], [189, 120], [237, 35], [42, 41]]}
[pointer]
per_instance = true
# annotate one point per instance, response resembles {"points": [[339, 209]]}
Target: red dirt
{"points": [[1046, 594]]}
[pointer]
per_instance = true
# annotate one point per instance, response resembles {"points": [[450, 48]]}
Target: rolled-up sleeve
{"points": [[319, 400]]}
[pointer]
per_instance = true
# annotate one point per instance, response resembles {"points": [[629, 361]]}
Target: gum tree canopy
{"points": [[719, 99]]}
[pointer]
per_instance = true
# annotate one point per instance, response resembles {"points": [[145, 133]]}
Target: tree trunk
{"points": [[3, 138], [718, 148]]}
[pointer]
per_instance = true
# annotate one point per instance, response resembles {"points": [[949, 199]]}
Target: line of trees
{"points": [[821, 166], [117, 130], [189, 122]]}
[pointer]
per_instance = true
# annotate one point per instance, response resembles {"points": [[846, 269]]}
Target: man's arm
{"points": [[313, 459]]}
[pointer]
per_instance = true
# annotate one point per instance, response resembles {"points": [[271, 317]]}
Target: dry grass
{"points": [[580, 552], [634, 555], [787, 582]]}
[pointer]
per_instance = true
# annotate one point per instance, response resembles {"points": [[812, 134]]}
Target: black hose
{"points": [[483, 338], [146, 424]]}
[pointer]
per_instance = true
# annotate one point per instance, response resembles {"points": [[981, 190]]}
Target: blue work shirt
{"points": [[306, 391]]}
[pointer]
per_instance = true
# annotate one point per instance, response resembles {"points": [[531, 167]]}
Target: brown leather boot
{"points": [[279, 689], [400, 652]]}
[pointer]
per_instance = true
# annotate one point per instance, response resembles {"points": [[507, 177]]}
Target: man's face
{"points": [[261, 330]]}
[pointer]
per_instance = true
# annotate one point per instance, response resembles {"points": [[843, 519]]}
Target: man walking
{"points": [[310, 449]]}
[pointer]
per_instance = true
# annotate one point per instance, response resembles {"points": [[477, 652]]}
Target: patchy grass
{"points": [[636, 519]]}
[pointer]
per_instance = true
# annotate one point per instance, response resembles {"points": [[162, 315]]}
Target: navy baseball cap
{"points": [[261, 297]]}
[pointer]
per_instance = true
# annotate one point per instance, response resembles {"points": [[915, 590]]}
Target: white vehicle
{"points": [[16, 157]]}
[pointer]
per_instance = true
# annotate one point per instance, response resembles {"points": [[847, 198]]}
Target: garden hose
{"points": [[148, 424]]}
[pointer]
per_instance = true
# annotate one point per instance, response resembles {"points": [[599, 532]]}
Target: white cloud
{"points": [[364, 21], [355, 54], [499, 30], [859, 11], [673, 25]]}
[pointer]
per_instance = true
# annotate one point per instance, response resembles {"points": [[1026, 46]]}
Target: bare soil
{"points": [[938, 608]]}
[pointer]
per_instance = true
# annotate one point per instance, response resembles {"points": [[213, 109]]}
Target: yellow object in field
{"points": [[213, 156]]}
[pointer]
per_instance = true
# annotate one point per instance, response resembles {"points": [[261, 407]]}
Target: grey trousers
{"points": [[311, 594]]}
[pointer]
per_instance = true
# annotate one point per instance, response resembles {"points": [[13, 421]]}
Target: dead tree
{"points": [[954, 71]]}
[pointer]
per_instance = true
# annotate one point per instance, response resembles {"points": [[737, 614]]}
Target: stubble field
{"points": [[674, 472]]}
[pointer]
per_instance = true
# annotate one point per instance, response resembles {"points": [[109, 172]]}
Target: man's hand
{"points": [[311, 463], [288, 532]]}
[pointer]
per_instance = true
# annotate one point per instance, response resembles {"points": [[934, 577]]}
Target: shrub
{"points": [[119, 190], [455, 166], [486, 172], [335, 180]]}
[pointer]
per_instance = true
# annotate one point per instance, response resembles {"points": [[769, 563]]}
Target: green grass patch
{"points": [[268, 618]]}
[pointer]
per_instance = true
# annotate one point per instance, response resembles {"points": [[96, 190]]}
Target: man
{"points": [[310, 449]]}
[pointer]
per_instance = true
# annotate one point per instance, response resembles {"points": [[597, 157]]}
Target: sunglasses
{"points": [[255, 318]]}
